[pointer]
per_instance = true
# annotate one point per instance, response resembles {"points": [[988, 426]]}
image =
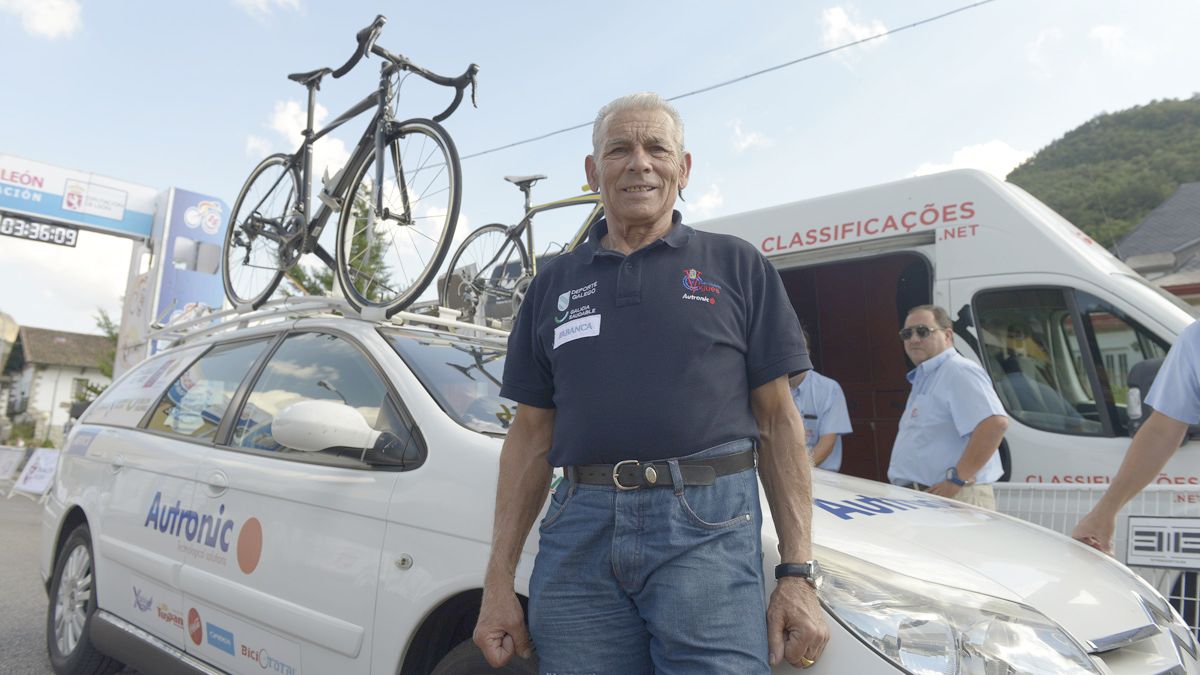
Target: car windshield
{"points": [[462, 376]]}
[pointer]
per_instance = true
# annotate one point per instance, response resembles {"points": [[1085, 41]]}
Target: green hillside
{"points": [[1108, 173]]}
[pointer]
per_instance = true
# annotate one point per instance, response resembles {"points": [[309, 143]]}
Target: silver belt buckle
{"points": [[615, 475]]}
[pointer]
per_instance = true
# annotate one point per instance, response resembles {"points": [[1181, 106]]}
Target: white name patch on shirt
{"points": [[588, 326]]}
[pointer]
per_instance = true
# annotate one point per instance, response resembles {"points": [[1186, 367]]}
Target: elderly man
{"points": [[1175, 397], [651, 362], [953, 422]]}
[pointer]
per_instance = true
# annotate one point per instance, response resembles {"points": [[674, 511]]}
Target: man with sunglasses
{"points": [[953, 422]]}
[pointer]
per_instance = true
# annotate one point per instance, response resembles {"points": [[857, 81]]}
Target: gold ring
{"points": [[806, 662]]}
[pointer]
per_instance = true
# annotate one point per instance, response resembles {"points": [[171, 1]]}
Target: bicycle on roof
{"points": [[489, 273], [397, 197]]}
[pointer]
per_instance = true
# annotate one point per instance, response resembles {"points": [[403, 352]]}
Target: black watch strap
{"points": [[806, 570]]}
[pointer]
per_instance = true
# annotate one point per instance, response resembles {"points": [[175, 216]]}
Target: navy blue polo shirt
{"points": [[651, 355]]}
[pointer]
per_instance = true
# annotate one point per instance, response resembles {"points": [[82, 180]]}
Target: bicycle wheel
{"points": [[387, 259], [265, 211], [484, 274]]}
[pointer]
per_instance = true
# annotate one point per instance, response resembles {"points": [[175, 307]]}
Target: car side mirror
{"points": [[313, 426]]}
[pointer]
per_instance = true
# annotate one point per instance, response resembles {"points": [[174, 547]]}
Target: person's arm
{"points": [[796, 625], [984, 442], [824, 446], [1152, 446], [521, 490]]}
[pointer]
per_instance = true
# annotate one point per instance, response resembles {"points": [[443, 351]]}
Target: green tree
{"points": [[318, 280], [1106, 175], [110, 329]]}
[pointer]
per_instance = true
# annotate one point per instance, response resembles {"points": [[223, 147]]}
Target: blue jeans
{"points": [[656, 580]]}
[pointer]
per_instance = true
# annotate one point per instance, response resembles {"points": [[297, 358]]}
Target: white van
{"points": [[1053, 317]]}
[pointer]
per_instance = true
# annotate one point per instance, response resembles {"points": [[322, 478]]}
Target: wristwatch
{"points": [[809, 571], [952, 476]]}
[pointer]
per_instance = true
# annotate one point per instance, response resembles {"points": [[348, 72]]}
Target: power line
{"points": [[756, 73]]}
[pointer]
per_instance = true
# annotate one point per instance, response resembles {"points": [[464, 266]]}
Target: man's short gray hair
{"points": [[641, 101]]}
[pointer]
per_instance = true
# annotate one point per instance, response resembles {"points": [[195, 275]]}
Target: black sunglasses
{"points": [[920, 331]]}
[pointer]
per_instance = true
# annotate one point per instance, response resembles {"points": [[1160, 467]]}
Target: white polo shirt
{"points": [[951, 395], [823, 407], [1176, 390]]}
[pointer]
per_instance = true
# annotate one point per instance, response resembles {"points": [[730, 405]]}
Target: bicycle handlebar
{"points": [[366, 40], [366, 45]]}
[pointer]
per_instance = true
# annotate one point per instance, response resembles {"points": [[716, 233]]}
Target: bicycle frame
{"points": [[526, 225]]}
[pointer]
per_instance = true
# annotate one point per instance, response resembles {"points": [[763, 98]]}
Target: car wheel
{"points": [[72, 604], [466, 659]]}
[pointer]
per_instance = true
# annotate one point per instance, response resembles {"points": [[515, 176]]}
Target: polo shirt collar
{"points": [[676, 237], [926, 369]]}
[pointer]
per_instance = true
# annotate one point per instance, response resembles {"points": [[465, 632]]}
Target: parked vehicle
{"points": [[1053, 317], [301, 492]]}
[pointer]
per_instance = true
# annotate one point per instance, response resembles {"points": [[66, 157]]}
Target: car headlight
{"points": [[931, 629]]}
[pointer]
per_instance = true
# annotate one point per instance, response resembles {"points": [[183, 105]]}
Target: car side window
{"points": [[1032, 352], [197, 400], [321, 366]]}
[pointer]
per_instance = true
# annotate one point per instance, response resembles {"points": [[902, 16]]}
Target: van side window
{"points": [[310, 366], [1032, 352], [197, 400], [1120, 344]]}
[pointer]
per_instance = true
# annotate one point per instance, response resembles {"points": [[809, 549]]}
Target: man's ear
{"points": [[685, 170], [593, 173]]}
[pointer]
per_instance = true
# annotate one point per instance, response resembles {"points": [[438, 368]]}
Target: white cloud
{"points": [[257, 146], [1117, 44], [743, 141], [842, 25], [705, 205], [260, 9], [329, 153], [1035, 51], [46, 18], [995, 157], [67, 298]]}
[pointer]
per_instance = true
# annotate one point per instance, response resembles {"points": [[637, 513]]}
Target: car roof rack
{"points": [[205, 324]]}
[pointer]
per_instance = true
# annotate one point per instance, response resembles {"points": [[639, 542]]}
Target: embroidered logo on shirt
{"points": [[564, 303], [698, 288], [570, 331]]}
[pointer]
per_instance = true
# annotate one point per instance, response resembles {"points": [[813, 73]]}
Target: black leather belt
{"points": [[632, 474], [911, 485]]}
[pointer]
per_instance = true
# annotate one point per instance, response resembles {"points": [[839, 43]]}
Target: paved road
{"points": [[22, 596]]}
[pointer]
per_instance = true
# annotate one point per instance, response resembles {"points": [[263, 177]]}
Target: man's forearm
{"points": [[520, 492], [785, 469], [1152, 446], [984, 441]]}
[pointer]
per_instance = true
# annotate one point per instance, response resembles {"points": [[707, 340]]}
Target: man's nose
{"points": [[639, 160]]}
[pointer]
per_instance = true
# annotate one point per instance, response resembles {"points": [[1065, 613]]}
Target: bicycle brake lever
{"points": [[474, 83]]}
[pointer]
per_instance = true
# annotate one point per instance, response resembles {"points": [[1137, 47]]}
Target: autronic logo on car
{"points": [[266, 661], [207, 536]]}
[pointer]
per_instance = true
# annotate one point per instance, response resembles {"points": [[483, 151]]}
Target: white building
{"points": [[47, 371]]}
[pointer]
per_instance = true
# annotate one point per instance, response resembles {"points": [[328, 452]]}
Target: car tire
{"points": [[466, 659], [72, 605]]}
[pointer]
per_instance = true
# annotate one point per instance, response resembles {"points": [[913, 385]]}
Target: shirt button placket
{"points": [[629, 282]]}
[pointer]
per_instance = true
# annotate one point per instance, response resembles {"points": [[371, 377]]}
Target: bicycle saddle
{"points": [[310, 79], [524, 182]]}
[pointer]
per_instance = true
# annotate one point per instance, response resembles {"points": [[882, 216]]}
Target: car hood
{"points": [[950, 543]]}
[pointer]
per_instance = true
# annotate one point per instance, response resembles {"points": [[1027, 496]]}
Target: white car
{"points": [[313, 494]]}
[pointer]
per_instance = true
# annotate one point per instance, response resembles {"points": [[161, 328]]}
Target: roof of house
{"points": [[1174, 225], [59, 348]]}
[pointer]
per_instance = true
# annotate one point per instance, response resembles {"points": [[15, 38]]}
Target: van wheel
{"points": [[72, 604], [466, 659]]}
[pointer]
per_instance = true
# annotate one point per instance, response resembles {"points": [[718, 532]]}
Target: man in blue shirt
{"points": [[649, 362], [1175, 397], [822, 405], [953, 422]]}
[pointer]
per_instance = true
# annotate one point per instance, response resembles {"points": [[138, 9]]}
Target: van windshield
{"points": [[462, 376]]}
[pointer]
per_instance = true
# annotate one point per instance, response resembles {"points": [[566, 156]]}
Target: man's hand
{"points": [[945, 489], [1096, 530], [500, 631], [796, 628]]}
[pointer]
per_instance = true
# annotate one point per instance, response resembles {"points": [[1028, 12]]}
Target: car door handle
{"points": [[217, 483]]}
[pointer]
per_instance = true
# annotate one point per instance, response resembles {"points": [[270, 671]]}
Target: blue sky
{"points": [[194, 94]]}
